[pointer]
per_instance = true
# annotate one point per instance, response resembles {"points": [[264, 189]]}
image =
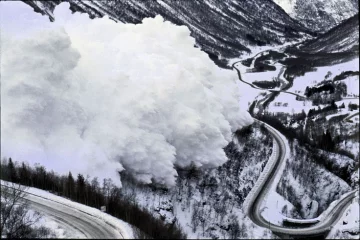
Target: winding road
{"points": [[75, 222], [261, 189], [351, 116], [266, 182], [263, 89]]}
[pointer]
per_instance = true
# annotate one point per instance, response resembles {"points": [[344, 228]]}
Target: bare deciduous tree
{"points": [[16, 222]]}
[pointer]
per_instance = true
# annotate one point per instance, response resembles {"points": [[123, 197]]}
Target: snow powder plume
{"points": [[97, 97]]}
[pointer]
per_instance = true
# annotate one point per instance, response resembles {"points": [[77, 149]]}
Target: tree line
{"points": [[91, 193], [332, 107], [329, 86]]}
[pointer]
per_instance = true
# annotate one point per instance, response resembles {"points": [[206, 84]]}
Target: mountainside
{"points": [[340, 44], [306, 88], [320, 15], [208, 204], [342, 38], [223, 29]]}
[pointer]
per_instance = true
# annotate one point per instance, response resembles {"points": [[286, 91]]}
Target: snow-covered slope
{"points": [[308, 186], [221, 28], [342, 38], [208, 204], [348, 225], [319, 15]]}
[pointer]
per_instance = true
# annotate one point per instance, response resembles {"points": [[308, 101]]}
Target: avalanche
{"points": [[97, 97]]}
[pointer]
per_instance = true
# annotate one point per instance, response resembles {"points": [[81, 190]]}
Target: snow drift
{"points": [[97, 97]]}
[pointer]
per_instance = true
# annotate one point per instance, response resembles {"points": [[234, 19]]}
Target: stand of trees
{"points": [[312, 141], [324, 141], [267, 84], [306, 168], [331, 108], [91, 193], [247, 62], [353, 106], [326, 93], [346, 74], [309, 91]]}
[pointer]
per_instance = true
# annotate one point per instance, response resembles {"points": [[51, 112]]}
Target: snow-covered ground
{"points": [[124, 229], [273, 210], [248, 93], [352, 84], [287, 103], [349, 222], [351, 145], [57, 229], [312, 78], [307, 184]]}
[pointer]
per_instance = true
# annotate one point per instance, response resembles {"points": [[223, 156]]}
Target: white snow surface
{"points": [[338, 10], [287, 5], [348, 222], [315, 77], [57, 229], [124, 228], [352, 84], [310, 79], [99, 97], [274, 204]]}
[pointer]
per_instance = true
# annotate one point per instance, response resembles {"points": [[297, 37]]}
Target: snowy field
{"points": [[313, 78], [287, 103]]}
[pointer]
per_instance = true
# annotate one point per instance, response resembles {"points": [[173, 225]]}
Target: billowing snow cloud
{"points": [[95, 96]]}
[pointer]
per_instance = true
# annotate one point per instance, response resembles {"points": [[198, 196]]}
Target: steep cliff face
{"points": [[320, 15], [224, 29]]}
